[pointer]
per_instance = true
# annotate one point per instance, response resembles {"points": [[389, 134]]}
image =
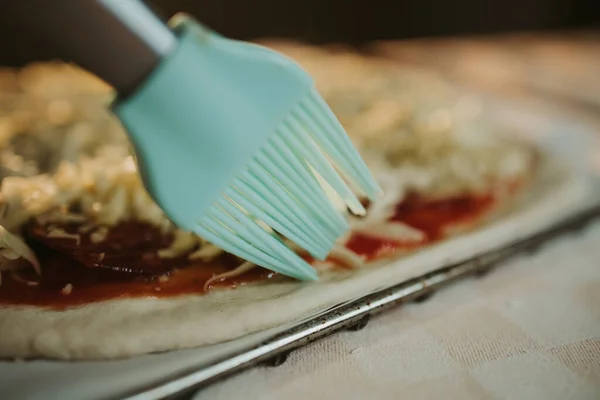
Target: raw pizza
{"points": [[91, 268]]}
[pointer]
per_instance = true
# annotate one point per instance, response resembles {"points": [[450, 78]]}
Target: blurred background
{"points": [[355, 21], [546, 47], [358, 21]]}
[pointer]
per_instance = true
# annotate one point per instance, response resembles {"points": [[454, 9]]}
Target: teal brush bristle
{"points": [[331, 137], [281, 188]]}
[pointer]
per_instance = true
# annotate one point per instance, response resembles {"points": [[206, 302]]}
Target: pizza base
{"points": [[129, 327]]}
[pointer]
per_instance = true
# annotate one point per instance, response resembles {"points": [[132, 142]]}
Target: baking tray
{"points": [[177, 374], [351, 316]]}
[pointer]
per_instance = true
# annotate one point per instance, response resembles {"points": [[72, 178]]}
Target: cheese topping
{"points": [[12, 248], [432, 136], [64, 158]]}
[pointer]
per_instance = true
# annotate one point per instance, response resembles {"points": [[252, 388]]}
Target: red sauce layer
{"points": [[432, 217], [126, 265]]}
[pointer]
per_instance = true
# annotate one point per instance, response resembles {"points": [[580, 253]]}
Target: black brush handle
{"points": [[121, 41]]}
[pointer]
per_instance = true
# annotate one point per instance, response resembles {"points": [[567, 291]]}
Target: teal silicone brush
{"points": [[235, 144]]}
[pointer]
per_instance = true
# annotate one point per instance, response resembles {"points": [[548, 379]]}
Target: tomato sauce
{"points": [[126, 265], [431, 217]]}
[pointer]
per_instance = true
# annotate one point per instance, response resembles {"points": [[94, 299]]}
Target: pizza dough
{"points": [[412, 145]]}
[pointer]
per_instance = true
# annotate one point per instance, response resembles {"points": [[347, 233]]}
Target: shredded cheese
{"points": [[58, 233], [13, 247], [16, 276], [65, 159], [67, 289], [206, 253], [183, 243], [346, 257], [245, 267], [99, 235]]}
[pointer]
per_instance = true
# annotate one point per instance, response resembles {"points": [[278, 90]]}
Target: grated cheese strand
{"points": [[244, 267], [16, 248]]}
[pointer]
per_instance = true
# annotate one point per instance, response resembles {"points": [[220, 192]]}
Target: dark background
{"points": [[354, 21], [359, 21]]}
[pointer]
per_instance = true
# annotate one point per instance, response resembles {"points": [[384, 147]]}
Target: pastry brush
{"points": [[232, 139]]}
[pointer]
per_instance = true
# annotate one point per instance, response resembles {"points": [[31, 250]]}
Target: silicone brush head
{"points": [[236, 145]]}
